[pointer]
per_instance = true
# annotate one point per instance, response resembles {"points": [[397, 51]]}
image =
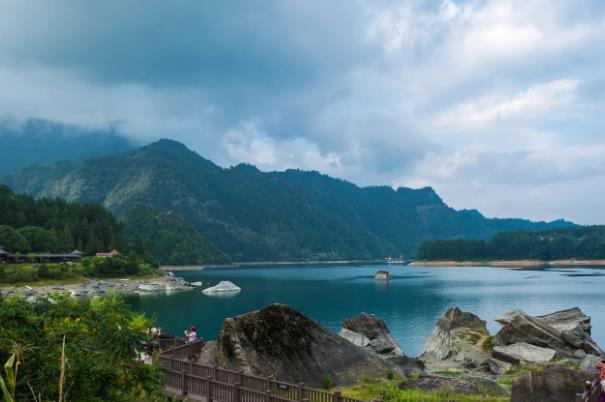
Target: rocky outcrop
{"points": [[369, 331], [589, 363], [280, 341], [458, 385], [523, 352], [563, 331], [553, 383], [495, 366], [451, 327]]}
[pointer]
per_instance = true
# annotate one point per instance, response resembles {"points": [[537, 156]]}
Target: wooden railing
{"points": [[170, 343], [222, 385]]}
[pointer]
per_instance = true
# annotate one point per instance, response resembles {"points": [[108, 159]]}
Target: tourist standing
{"points": [[191, 335]]}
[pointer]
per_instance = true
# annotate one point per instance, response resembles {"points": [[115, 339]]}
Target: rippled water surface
{"points": [[410, 303]]}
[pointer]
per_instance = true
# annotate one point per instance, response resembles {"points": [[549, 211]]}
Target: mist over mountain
{"points": [[250, 215], [40, 142]]}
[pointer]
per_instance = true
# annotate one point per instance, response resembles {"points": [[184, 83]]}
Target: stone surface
{"points": [[563, 331], [458, 385], [554, 383], [355, 338], [376, 331], [441, 343], [523, 352], [495, 366], [280, 341], [579, 354], [589, 363]]}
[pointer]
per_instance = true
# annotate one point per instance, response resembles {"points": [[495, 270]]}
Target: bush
{"points": [[390, 374], [326, 382]]}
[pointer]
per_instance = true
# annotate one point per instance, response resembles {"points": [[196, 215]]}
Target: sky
{"points": [[497, 104]]}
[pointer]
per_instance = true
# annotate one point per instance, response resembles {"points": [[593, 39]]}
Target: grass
{"points": [[367, 389]]}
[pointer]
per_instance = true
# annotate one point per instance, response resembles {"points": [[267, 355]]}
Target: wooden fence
{"points": [[215, 384]]}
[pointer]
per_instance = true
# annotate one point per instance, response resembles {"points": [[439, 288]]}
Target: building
{"points": [[16, 258], [3, 255], [112, 253]]}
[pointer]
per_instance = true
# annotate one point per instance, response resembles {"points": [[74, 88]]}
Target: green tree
{"points": [[39, 239], [12, 240]]}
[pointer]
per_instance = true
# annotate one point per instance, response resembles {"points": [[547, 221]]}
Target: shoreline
{"points": [[511, 263], [261, 263], [93, 287]]}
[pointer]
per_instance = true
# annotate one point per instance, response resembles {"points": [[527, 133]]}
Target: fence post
{"points": [[336, 397], [214, 372], [301, 391], [209, 382], [184, 383], [236, 392], [171, 364], [190, 367], [268, 395]]}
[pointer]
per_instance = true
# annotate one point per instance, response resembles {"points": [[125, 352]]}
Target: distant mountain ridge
{"points": [[251, 215], [42, 142]]}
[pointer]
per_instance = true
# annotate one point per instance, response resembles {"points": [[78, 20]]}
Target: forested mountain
{"points": [[579, 242], [51, 225], [251, 215], [41, 142]]}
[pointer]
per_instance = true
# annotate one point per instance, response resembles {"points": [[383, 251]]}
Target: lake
{"points": [[410, 303]]}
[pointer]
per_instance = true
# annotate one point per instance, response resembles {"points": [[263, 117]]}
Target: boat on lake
{"points": [[382, 276], [222, 287]]}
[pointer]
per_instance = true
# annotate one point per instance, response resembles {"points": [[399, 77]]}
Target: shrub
{"points": [[390, 374], [326, 382]]}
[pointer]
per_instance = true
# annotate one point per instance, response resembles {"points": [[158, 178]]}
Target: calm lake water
{"points": [[409, 304]]}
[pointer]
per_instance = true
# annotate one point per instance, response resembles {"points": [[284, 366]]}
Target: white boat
{"points": [[222, 287], [196, 283], [149, 287]]}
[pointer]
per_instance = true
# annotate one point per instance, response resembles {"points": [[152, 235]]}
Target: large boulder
{"points": [[523, 352], [563, 331], [280, 341], [368, 326], [589, 363], [554, 383], [453, 323], [456, 385], [495, 366]]}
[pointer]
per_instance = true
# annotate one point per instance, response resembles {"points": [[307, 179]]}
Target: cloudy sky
{"points": [[498, 105]]}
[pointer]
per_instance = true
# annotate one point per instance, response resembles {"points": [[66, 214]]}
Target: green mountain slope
{"points": [[251, 215]]}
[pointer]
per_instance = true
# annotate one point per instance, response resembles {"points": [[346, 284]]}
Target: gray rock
{"points": [[563, 331], [278, 340], [579, 354], [553, 383], [208, 354], [458, 385], [374, 329], [354, 337], [589, 363], [495, 366], [440, 344], [523, 352]]}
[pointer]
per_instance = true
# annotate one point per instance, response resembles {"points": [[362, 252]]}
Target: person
{"points": [[191, 335], [601, 368], [587, 392]]}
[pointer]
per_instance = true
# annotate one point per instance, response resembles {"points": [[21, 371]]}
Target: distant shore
{"points": [[511, 263], [260, 263]]}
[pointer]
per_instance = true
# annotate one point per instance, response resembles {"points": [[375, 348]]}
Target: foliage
{"points": [[327, 382], [169, 239], [91, 267], [387, 389], [102, 336], [580, 242], [55, 225], [251, 215]]}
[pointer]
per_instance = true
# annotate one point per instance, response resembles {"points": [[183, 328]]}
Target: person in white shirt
{"points": [[191, 335]]}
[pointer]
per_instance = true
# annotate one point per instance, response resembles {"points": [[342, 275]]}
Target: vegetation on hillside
{"points": [[578, 242], [101, 338], [51, 225], [251, 215]]}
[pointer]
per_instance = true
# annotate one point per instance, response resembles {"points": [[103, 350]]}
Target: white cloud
{"points": [[531, 103]]}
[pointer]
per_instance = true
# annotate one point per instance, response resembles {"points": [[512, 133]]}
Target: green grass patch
{"points": [[367, 389]]}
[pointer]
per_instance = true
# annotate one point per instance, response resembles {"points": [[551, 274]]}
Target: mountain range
{"points": [[175, 199]]}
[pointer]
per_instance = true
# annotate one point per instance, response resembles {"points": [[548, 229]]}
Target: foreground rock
{"points": [[280, 341], [466, 385], [523, 352], [553, 383], [565, 331], [369, 331], [449, 334]]}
